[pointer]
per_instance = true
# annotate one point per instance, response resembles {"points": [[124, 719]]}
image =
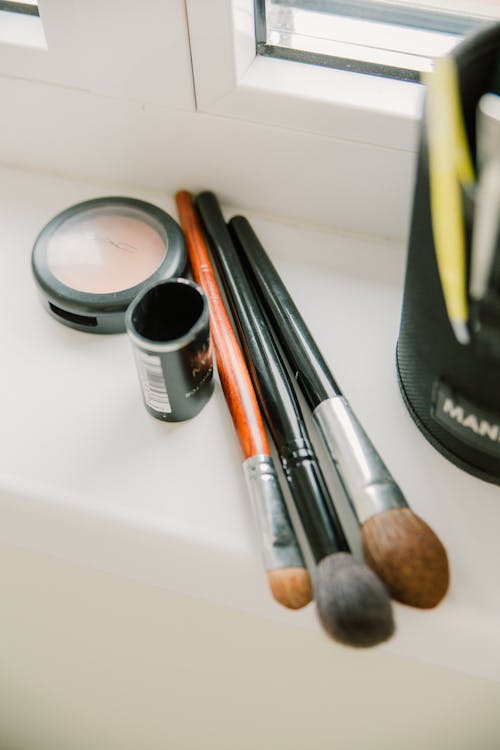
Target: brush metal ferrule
{"points": [[280, 548], [369, 486]]}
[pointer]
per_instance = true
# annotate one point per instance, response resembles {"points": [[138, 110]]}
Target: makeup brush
{"points": [[400, 547], [287, 574], [352, 603]]}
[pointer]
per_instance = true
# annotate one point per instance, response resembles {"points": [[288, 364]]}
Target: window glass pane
{"points": [[28, 7], [396, 39]]}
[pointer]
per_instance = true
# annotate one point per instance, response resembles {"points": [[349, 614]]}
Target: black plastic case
{"points": [[452, 391]]}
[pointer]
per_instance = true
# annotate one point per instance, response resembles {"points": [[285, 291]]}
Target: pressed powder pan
{"points": [[91, 260]]}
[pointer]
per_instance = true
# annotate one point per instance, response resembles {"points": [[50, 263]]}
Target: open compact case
{"points": [[91, 260]]}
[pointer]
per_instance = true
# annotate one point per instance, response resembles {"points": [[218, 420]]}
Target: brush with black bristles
{"points": [[401, 548], [353, 604]]}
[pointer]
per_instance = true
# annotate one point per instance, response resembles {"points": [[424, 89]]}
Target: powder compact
{"points": [[91, 260]]}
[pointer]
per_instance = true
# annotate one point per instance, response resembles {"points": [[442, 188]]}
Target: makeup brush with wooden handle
{"points": [[401, 548], [287, 574]]}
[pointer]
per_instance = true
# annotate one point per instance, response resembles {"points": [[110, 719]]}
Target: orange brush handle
{"points": [[233, 373]]}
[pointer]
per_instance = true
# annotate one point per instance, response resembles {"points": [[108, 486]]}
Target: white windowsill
{"points": [[86, 475]]}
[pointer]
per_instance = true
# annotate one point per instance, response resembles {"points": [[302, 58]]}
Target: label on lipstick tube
{"points": [[153, 382]]}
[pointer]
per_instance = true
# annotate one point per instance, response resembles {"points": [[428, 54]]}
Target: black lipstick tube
{"points": [[168, 325]]}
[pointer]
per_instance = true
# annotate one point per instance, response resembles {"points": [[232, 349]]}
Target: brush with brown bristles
{"points": [[287, 574], [352, 602], [400, 547]]}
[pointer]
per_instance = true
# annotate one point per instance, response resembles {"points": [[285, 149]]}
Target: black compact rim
{"points": [[93, 303]]}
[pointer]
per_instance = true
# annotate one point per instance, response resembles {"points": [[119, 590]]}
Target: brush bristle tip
{"points": [[408, 556], [353, 605], [290, 587]]}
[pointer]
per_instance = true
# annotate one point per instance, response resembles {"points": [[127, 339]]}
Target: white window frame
{"points": [[232, 80], [326, 147], [118, 48]]}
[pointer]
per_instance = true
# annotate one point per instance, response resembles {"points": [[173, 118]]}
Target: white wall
{"points": [[91, 660]]}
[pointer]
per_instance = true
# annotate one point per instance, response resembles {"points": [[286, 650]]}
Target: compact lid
{"points": [[92, 259]]}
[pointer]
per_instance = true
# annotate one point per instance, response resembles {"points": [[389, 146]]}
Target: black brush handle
{"points": [[311, 497], [311, 371], [368, 483], [274, 391]]}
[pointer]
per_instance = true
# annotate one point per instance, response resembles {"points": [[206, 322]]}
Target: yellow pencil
{"points": [[450, 166]]}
